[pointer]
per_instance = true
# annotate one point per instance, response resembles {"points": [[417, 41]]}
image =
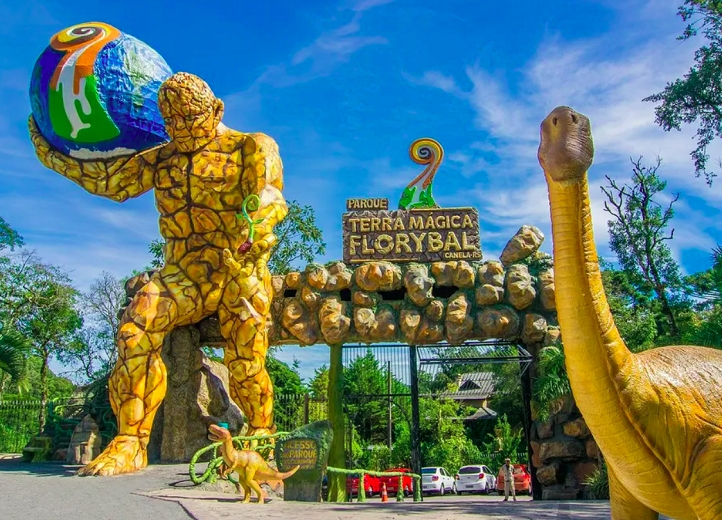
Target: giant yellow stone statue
{"points": [[657, 415], [213, 263]]}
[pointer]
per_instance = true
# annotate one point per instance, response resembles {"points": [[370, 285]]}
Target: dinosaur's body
{"points": [[248, 464], [657, 416]]}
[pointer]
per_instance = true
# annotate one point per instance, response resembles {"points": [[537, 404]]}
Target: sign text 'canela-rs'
{"points": [[417, 235]]}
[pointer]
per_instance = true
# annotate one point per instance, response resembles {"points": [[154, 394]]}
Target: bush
{"points": [[598, 483]]}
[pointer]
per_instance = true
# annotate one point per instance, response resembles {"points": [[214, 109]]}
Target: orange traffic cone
{"points": [[384, 494]]}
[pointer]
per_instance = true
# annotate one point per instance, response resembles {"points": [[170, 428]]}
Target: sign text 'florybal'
{"points": [[417, 235]]}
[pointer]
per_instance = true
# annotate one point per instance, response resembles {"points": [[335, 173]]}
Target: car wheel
{"points": [[500, 492], [486, 489]]}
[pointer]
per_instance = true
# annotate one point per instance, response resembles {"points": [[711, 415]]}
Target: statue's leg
{"points": [[243, 314], [624, 505], [705, 488], [138, 382]]}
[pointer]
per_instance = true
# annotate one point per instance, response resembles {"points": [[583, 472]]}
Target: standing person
{"points": [[508, 472]]}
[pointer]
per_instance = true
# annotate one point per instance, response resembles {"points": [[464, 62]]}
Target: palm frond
{"points": [[13, 356]]}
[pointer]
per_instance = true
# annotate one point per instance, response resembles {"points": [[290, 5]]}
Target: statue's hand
{"points": [[244, 267], [41, 144], [230, 261], [264, 245]]}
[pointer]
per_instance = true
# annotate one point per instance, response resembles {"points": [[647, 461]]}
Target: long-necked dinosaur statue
{"points": [[657, 415], [248, 464]]}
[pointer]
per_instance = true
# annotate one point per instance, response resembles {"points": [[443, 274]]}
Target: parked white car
{"points": [[475, 479], [437, 480]]}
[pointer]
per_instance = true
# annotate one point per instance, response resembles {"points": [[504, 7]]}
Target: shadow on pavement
{"points": [[41, 469], [527, 509]]}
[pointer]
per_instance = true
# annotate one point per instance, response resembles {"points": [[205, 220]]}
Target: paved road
{"points": [[164, 492]]}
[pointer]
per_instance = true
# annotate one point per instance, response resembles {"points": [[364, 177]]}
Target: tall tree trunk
{"points": [[43, 389]]}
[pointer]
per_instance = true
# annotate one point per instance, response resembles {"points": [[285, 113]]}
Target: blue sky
{"points": [[345, 86]]}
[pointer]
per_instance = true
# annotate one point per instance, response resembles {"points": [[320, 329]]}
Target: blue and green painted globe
{"points": [[94, 92]]}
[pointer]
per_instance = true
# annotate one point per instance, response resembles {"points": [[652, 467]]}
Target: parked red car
{"points": [[522, 480], [392, 483], [372, 485]]}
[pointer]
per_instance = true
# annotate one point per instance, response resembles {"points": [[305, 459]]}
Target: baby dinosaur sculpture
{"points": [[248, 464], [657, 415]]}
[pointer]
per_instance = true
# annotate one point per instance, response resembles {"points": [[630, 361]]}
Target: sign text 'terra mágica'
{"points": [[417, 235]]}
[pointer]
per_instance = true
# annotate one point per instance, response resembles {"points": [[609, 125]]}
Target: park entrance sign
{"points": [[421, 235], [418, 231]]}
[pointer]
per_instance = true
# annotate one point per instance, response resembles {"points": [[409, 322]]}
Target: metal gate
{"points": [[384, 385]]}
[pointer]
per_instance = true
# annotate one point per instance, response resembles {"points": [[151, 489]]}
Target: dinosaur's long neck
{"points": [[228, 449], [597, 359]]}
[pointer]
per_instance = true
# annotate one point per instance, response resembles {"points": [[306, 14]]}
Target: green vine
{"points": [[364, 472]]}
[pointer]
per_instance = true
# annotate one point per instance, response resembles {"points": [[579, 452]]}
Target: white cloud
{"points": [[320, 57], [606, 79]]}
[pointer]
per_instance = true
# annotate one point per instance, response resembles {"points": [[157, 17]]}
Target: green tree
{"points": [[95, 352], [443, 437], [13, 353], [318, 386], [9, 238], [640, 232], [707, 285], [635, 313], [285, 377], [551, 384], [299, 239], [698, 95], [38, 301], [706, 329], [505, 441], [57, 386], [289, 391], [155, 248]]}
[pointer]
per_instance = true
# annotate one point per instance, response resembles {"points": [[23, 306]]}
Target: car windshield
{"points": [[428, 471], [468, 470]]}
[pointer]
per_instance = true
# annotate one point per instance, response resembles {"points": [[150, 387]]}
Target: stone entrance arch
{"points": [[418, 304]]}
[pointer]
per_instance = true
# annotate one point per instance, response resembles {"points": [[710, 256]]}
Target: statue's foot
{"points": [[124, 454]]}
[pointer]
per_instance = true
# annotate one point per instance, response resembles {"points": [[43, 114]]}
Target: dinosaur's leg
{"points": [[138, 382], [706, 492], [246, 492], [624, 505], [243, 313], [251, 479]]}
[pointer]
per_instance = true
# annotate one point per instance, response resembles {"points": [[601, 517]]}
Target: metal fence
{"points": [[19, 419], [292, 411], [19, 422]]}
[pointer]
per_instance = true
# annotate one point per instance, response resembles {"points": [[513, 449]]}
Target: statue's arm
{"points": [[117, 179], [263, 176]]}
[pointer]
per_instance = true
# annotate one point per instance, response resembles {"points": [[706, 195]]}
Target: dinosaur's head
{"points": [[218, 433], [566, 150]]}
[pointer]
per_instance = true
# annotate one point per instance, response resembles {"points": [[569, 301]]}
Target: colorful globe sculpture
{"points": [[94, 92]]}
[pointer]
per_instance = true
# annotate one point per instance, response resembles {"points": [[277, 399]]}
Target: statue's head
{"points": [[190, 110], [566, 150]]}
